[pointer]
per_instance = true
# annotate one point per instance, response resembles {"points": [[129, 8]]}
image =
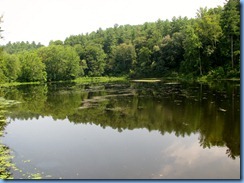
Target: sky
{"points": [[45, 20]]}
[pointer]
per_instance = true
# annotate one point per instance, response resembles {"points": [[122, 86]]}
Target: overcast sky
{"points": [[45, 20]]}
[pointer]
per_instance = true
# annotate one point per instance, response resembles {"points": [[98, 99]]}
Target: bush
{"points": [[234, 73], [218, 73]]}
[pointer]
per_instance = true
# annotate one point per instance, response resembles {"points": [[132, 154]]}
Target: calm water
{"points": [[163, 130]]}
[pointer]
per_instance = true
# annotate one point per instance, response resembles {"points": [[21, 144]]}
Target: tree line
{"points": [[205, 46]]}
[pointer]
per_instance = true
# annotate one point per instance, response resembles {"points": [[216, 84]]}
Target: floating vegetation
{"points": [[5, 157], [7, 103], [5, 162], [147, 80], [17, 84], [98, 79], [222, 110], [173, 83], [115, 109], [89, 103], [96, 100], [36, 176], [26, 161]]}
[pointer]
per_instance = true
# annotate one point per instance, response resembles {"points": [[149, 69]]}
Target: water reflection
{"points": [[91, 152], [191, 121]]}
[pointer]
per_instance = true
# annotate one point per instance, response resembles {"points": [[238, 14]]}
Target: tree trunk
{"points": [[200, 63], [231, 45]]}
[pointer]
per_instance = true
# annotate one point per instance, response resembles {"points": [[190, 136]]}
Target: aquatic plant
{"points": [[5, 156]]}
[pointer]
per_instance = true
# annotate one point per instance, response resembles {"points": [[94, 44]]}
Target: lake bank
{"points": [[78, 80], [103, 79]]}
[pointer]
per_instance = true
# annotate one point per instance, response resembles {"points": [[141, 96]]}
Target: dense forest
{"points": [[207, 46]]}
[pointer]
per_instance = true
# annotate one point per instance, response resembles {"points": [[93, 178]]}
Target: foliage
{"points": [[32, 68], [194, 47], [57, 42], [17, 47], [94, 59], [233, 73], [9, 67], [218, 73], [123, 59], [5, 162], [99, 79], [192, 59], [230, 22], [61, 62]]}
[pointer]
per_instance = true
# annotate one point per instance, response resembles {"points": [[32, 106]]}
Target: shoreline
{"points": [[103, 79]]}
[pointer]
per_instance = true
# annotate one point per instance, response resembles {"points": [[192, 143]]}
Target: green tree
{"points": [[62, 62], [57, 42], [11, 66], [32, 68], [76, 39], [230, 22], [124, 59], [80, 50], [93, 57], [201, 45], [208, 29], [143, 66], [109, 41], [167, 54], [18, 47], [177, 24], [3, 78], [192, 45]]}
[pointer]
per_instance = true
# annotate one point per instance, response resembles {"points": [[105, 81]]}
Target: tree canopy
{"points": [[207, 45]]}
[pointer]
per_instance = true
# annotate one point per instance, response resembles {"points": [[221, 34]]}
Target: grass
{"points": [[147, 80], [102, 79], [205, 79], [17, 84]]}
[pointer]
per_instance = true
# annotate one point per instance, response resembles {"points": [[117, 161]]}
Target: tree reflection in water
{"points": [[213, 111]]}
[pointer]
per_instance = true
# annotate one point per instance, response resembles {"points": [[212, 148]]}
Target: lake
{"points": [[124, 130]]}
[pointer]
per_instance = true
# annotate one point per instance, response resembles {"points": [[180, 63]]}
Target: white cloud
{"points": [[188, 160]]}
